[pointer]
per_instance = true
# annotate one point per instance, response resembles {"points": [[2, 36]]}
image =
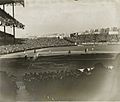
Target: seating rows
{"points": [[33, 44], [56, 42], [91, 38]]}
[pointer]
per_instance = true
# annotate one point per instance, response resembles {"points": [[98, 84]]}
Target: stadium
{"points": [[83, 66]]}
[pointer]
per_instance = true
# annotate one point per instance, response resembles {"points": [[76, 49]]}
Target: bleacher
{"points": [[45, 42], [29, 44], [92, 38]]}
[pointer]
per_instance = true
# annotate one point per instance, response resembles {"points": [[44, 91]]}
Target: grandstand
{"points": [[7, 20], [103, 35], [30, 44], [46, 42]]}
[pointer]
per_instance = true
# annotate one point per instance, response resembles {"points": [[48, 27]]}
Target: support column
{"points": [[4, 26], [13, 11], [5, 37]]}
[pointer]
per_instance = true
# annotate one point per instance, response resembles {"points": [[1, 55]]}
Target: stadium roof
{"points": [[3, 2], [7, 20]]}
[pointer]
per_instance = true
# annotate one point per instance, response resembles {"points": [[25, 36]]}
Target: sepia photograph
{"points": [[59, 50]]}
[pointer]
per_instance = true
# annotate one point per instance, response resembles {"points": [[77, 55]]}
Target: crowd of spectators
{"points": [[8, 87], [47, 42], [44, 42], [93, 38], [29, 44]]}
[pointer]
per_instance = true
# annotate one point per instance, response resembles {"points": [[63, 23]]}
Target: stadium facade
{"points": [[9, 20]]}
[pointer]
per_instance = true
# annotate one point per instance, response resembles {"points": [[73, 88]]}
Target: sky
{"points": [[46, 17]]}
